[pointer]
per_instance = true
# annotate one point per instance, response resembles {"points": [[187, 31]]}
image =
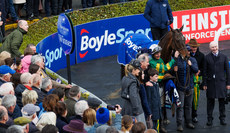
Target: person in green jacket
{"points": [[14, 40], [157, 63]]}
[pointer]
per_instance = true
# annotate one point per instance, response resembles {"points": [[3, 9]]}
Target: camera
{"points": [[111, 107]]}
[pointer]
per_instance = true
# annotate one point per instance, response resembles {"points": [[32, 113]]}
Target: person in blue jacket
{"points": [[184, 72], [159, 14]]}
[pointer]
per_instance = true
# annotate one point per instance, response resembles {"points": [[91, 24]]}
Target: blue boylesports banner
{"points": [[55, 58], [130, 46]]}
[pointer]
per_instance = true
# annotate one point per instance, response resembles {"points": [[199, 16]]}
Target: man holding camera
{"points": [[216, 81]]}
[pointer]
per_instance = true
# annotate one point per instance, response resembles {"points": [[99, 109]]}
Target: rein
{"points": [[187, 82]]}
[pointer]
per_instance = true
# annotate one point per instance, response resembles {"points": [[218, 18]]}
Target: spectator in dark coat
{"points": [[153, 96], [3, 119], [26, 80], [184, 72], [159, 14], [9, 102], [61, 113], [195, 53], [132, 105], [37, 82], [46, 86], [74, 96], [216, 81], [6, 89], [144, 60]]}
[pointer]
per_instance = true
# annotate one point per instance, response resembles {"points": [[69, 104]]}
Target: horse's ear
{"points": [[181, 28]]}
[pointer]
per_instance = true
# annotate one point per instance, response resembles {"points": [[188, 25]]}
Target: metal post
{"points": [[68, 68]]}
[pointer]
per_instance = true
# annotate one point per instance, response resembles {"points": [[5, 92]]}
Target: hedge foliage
{"points": [[48, 26]]}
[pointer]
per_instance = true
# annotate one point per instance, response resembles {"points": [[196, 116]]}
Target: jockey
{"points": [[157, 63]]}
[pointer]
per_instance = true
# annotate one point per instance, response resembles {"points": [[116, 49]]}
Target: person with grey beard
{"points": [[159, 14]]}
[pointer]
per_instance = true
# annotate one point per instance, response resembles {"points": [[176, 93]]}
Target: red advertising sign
{"points": [[203, 23]]}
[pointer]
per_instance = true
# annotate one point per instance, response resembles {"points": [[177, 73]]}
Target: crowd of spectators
{"points": [[32, 102]]}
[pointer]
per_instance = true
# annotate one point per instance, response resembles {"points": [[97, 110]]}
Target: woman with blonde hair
{"points": [[89, 118], [130, 87], [29, 96]]}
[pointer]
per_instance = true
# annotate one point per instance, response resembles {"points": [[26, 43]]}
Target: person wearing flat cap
{"points": [[199, 56], [5, 74], [94, 103], [130, 91], [29, 111]]}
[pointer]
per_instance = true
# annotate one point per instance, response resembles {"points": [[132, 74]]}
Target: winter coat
{"points": [[216, 75], [183, 69], [18, 93], [26, 61], [60, 123], [32, 128], [70, 103], [159, 14], [13, 42], [144, 100], [40, 95], [3, 128], [199, 59], [131, 106], [154, 100]]}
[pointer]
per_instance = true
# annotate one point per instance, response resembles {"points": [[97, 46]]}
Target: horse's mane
{"points": [[166, 48]]}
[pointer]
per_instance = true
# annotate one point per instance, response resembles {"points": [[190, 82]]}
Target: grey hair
{"points": [[36, 58], [143, 57], [46, 82], [9, 100], [73, 91], [2, 112], [6, 88], [36, 78], [25, 78], [80, 107], [15, 129]]}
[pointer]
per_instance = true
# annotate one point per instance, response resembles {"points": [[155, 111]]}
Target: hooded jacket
{"points": [[158, 13]]}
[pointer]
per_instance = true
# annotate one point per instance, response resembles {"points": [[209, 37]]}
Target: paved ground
{"points": [[102, 77]]}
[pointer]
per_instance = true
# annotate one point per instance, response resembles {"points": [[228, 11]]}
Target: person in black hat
{"points": [[130, 87]]}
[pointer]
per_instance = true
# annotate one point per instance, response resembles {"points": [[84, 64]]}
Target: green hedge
{"points": [[46, 27]]}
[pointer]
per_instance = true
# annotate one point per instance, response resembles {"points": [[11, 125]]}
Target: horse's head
{"points": [[178, 42]]}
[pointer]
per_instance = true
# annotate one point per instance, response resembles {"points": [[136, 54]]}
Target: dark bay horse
{"points": [[171, 42]]}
